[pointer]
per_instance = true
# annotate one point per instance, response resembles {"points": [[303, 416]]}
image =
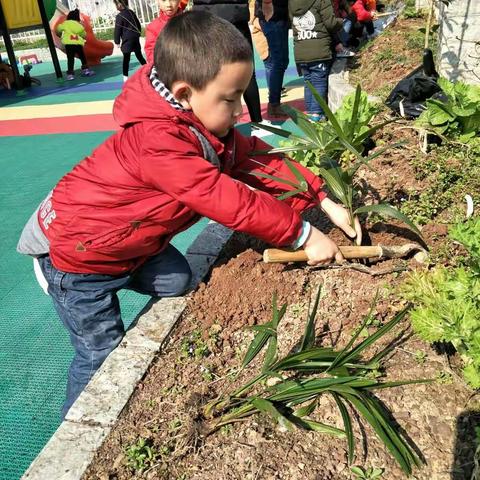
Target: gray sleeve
{"points": [[32, 240]]}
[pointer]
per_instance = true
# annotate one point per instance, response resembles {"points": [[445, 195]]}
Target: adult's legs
{"points": [[276, 33], [126, 63], [251, 95], [317, 74]]}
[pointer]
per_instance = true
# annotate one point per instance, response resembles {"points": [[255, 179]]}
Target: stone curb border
{"points": [[70, 450]]}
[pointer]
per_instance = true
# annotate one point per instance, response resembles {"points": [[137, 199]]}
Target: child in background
{"points": [[314, 25], [365, 15], [73, 37], [168, 10], [107, 225], [128, 30], [342, 10]]}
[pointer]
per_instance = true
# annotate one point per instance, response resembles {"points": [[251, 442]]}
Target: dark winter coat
{"points": [[280, 10], [314, 23], [127, 30], [234, 11]]}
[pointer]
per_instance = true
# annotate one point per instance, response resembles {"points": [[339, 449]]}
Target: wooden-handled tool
{"points": [[274, 255]]}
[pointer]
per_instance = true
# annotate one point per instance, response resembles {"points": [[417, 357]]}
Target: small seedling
{"points": [[420, 356], [140, 455], [226, 429], [207, 372], [194, 346], [444, 378], [175, 424], [369, 473], [151, 403]]}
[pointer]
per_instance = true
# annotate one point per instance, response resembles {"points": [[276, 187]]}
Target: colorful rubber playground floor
{"points": [[43, 133]]}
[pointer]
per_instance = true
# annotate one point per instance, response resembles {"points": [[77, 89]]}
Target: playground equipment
{"points": [[21, 15], [94, 48]]}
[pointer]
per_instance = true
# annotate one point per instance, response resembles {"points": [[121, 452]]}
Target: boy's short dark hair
{"points": [[195, 45]]}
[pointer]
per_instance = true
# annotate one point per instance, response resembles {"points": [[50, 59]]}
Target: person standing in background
{"points": [[167, 10], [128, 31], [238, 14], [73, 36], [274, 21], [314, 25]]}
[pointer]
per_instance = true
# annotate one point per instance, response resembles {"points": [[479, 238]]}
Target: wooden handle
{"points": [[275, 255]]}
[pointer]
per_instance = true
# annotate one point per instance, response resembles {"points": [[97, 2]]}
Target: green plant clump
{"points": [[353, 117], [370, 473], [326, 143], [458, 116], [140, 455], [450, 173], [447, 302], [303, 376]]}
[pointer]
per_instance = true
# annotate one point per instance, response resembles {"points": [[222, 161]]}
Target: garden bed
{"points": [[162, 432], [211, 340]]}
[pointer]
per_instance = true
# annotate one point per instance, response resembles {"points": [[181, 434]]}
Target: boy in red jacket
{"points": [[107, 224], [168, 9]]}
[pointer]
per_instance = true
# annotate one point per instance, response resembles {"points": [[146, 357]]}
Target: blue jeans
{"points": [[344, 33], [276, 33], [89, 308], [317, 74]]}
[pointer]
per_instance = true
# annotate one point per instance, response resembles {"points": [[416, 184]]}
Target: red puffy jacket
{"points": [[153, 31], [361, 11], [150, 180]]}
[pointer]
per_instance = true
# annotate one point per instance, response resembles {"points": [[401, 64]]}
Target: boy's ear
{"points": [[182, 92]]}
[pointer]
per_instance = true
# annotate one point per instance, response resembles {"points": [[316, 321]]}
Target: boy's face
{"points": [[219, 105], [169, 7]]}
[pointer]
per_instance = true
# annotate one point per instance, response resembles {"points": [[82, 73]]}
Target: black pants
{"points": [[369, 27], [127, 49], [251, 95], [72, 51]]}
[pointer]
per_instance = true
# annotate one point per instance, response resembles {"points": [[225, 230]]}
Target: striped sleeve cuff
{"points": [[306, 227]]}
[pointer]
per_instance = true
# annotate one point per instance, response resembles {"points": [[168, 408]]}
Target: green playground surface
{"points": [[35, 350]]}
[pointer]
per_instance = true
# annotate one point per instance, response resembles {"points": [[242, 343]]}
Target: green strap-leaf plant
{"points": [[311, 371]]}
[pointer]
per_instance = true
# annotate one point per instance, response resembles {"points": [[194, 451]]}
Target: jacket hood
{"points": [[139, 102], [300, 7]]}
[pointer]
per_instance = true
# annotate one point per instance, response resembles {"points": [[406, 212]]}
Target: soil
{"points": [[380, 65], [206, 349]]}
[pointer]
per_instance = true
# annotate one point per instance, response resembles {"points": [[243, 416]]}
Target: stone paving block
{"points": [[109, 390], [159, 319], [68, 453], [204, 251], [211, 241]]}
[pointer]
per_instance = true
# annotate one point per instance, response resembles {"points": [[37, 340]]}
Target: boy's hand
{"points": [[340, 217], [320, 249]]}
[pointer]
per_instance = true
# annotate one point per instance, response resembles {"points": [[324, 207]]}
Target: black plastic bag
{"points": [[409, 95]]}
